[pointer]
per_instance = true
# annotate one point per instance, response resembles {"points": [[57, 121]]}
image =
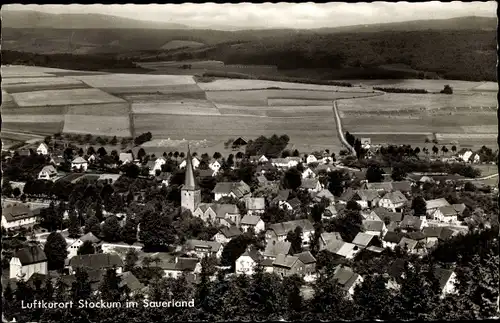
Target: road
{"points": [[340, 132]]}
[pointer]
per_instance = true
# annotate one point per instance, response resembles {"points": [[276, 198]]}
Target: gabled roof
{"points": [[284, 227], [395, 197], [230, 232], [255, 203], [123, 157], [262, 179], [397, 268], [222, 209], [432, 232], [327, 236], [79, 160], [323, 167], [447, 210], [287, 261], [31, 255], [128, 279], [436, 203], [89, 237], [274, 247], [403, 186], [447, 233], [96, 261], [393, 237], [383, 213], [459, 208], [294, 203], [282, 196], [382, 186], [324, 193], [334, 245], [250, 220], [331, 210], [370, 225], [367, 195], [43, 146], [443, 276], [49, 169], [309, 183], [179, 264], [345, 277], [306, 257], [211, 246], [239, 189], [411, 221], [409, 243], [417, 235], [17, 212], [252, 253], [204, 207], [363, 239]]}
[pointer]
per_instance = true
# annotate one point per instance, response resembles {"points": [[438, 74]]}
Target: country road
{"points": [[481, 178], [340, 132]]}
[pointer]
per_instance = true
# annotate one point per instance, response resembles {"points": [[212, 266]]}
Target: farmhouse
{"points": [[393, 201], [391, 239], [414, 223], [326, 237], [265, 167], [174, 267], [311, 159], [254, 222], [344, 249], [237, 190], [280, 230], [445, 213], [286, 265], [43, 149], [366, 198], [47, 173], [308, 173], [433, 205], [18, 215], [309, 262], [376, 228], [239, 143], [98, 261], [73, 248], [324, 194], [290, 205], [79, 163], [365, 240], [275, 247], [28, 261]]}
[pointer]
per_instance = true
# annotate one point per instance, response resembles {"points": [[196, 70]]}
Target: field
{"points": [[14, 85], [106, 81], [237, 84], [174, 44], [97, 125], [188, 107], [63, 97], [430, 85]]}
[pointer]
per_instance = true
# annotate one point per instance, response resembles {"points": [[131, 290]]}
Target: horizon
{"points": [[247, 16]]}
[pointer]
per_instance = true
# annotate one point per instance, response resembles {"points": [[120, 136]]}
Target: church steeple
{"points": [[189, 181]]}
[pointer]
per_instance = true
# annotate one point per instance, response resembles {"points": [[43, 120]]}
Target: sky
{"points": [[279, 15]]}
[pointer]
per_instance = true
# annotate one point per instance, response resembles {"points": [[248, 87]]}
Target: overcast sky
{"points": [[280, 15]]}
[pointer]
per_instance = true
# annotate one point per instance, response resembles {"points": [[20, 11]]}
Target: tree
{"points": [[74, 227], [295, 153], [454, 149], [317, 212], [292, 179], [234, 249], [110, 286], [111, 229], [329, 300], [113, 141], [131, 259], [337, 181], [374, 174], [217, 155], [141, 153], [131, 170], [416, 151], [81, 288], [292, 286], [447, 90], [295, 239], [444, 150], [87, 248], [92, 224], [156, 229], [102, 152], [6, 188], [55, 251], [419, 206], [435, 150], [129, 231], [373, 291], [90, 151], [16, 192], [398, 173]]}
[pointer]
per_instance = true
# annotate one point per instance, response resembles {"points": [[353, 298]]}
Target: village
{"points": [[148, 218]]}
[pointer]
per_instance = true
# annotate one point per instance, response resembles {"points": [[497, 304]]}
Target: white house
{"points": [[26, 262], [43, 149], [311, 185], [73, 248], [311, 159], [48, 173], [215, 165], [252, 221], [432, 205], [79, 163], [347, 279], [308, 173], [18, 215], [447, 280], [393, 201], [98, 261], [238, 190], [225, 234], [255, 205], [195, 163], [287, 162], [202, 248], [246, 263], [446, 214], [327, 160], [175, 267], [376, 228]]}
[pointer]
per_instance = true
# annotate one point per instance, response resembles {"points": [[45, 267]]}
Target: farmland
{"points": [[430, 85]]}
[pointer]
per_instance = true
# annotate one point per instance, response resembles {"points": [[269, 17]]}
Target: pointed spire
{"points": [[189, 182]]}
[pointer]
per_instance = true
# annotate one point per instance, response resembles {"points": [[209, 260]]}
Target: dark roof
{"points": [[189, 180], [367, 195], [273, 248], [96, 261], [230, 232], [432, 232], [459, 208], [179, 264], [309, 183], [17, 212], [443, 275], [411, 221], [239, 142], [446, 233], [31, 255], [403, 186], [347, 195], [239, 189], [417, 235], [282, 195], [37, 277], [250, 220], [252, 253], [306, 257], [370, 225], [294, 203], [393, 237], [397, 268], [383, 213], [284, 260], [283, 228], [128, 279]]}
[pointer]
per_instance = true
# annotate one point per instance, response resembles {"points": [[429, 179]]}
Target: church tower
{"points": [[190, 191]]}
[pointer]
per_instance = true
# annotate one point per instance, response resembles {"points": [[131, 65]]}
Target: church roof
{"points": [[189, 182]]}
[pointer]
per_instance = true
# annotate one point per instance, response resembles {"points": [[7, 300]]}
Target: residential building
{"points": [[391, 239], [347, 279], [365, 240], [174, 267], [190, 191], [376, 228], [311, 159], [255, 205], [393, 201], [134, 286], [308, 173], [202, 248], [99, 261], [366, 198], [309, 262], [226, 234], [388, 216], [290, 205], [326, 237], [254, 222], [18, 215], [43, 149], [330, 212], [280, 230], [311, 185], [194, 161], [47, 173], [73, 248], [447, 281], [433, 205], [79, 163], [26, 262], [275, 247], [343, 249], [414, 223], [286, 265], [288, 162], [126, 158], [446, 214], [238, 190], [247, 262], [214, 165], [324, 194]]}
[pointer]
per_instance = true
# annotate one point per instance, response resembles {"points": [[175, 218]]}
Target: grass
{"points": [[190, 107], [237, 84], [98, 125], [134, 80], [63, 97]]}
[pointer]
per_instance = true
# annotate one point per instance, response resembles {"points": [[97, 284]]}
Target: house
{"points": [[402, 186], [205, 173], [246, 263], [285, 265], [330, 212], [308, 173], [388, 216], [447, 280], [125, 158], [79, 163], [376, 228], [370, 215], [323, 168], [56, 160], [311, 185], [43, 149], [433, 205], [344, 249], [154, 166], [311, 159], [290, 205], [174, 267], [195, 162], [252, 221], [47, 173], [99, 261], [238, 190], [258, 159], [391, 239], [130, 282], [73, 248], [327, 160], [326, 237], [255, 205], [164, 178], [309, 262], [365, 240], [26, 262], [409, 245], [239, 142], [459, 208], [226, 214], [265, 168], [214, 165], [203, 248], [275, 247], [347, 279], [385, 187], [18, 215], [279, 231], [366, 198], [414, 223], [446, 214], [393, 201], [225, 234], [109, 178], [347, 196], [288, 162], [282, 196], [324, 194]]}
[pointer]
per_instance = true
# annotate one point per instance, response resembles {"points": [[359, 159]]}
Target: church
{"points": [[190, 191]]}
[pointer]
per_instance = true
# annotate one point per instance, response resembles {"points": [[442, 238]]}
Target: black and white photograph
{"points": [[239, 162]]}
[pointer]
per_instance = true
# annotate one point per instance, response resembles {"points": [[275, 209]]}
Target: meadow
{"points": [[63, 97]]}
